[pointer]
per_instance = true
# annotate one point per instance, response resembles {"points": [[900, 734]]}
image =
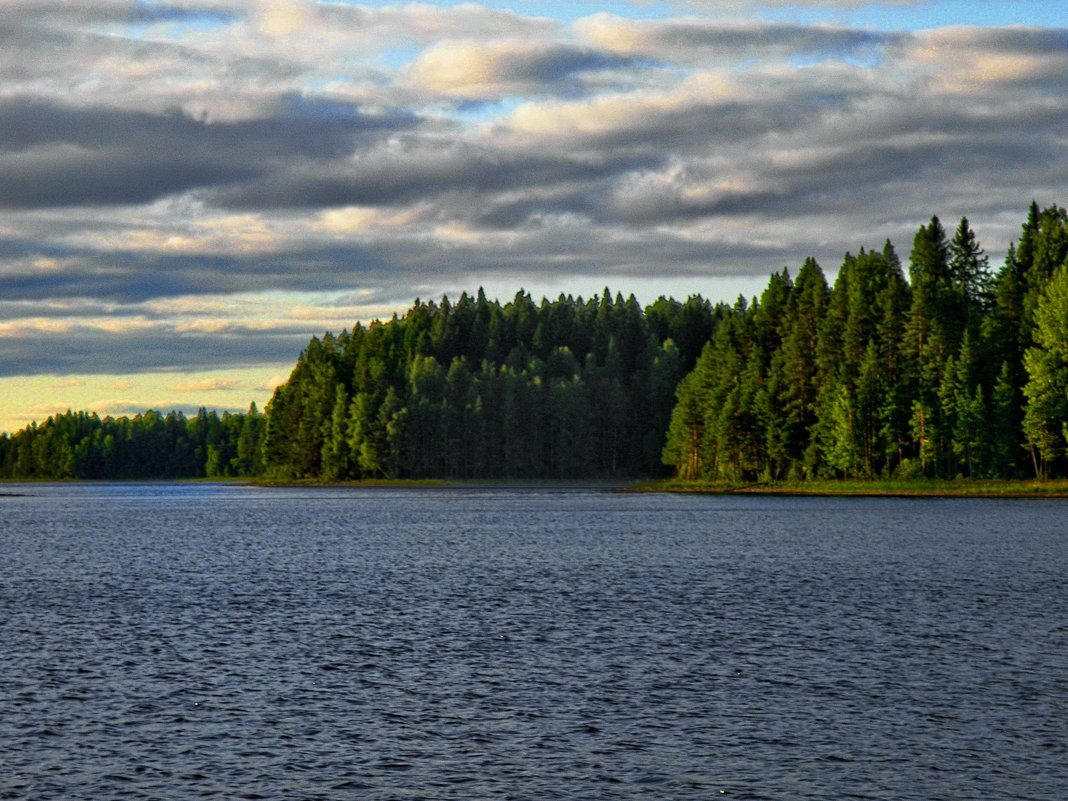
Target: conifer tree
{"points": [[1046, 362], [968, 268]]}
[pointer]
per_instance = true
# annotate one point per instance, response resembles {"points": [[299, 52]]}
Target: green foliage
{"points": [[561, 389], [879, 377], [1047, 369], [149, 445], [953, 372]]}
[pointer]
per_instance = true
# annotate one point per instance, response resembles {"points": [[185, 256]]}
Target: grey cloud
{"points": [[426, 22], [31, 13], [130, 277], [298, 128], [427, 170], [837, 183], [514, 213], [52, 155], [162, 12], [79, 64], [84, 349], [58, 309], [798, 162], [53, 48], [752, 39], [672, 207], [575, 248], [557, 64], [878, 179], [700, 39], [1014, 40]]}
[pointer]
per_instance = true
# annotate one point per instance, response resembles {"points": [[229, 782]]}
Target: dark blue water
{"points": [[202, 641]]}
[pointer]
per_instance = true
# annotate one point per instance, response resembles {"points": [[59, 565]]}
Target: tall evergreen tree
{"points": [[1047, 369]]}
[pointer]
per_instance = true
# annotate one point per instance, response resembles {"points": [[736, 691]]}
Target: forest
{"points": [[942, 368], [473, 389], [148, 445], [952, 370]]}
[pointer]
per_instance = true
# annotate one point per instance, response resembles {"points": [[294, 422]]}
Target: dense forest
{"points": [[476, 389], [947, 368], [952, 371], [568, 388], [149, 445]]}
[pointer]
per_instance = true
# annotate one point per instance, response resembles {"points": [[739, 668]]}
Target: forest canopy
{"points": [[950, 370], [940, 368], [566, 389]]}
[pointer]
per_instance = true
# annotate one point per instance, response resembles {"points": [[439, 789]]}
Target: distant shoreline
{"points": [[871, 489], [963, 488], [458, 483]]}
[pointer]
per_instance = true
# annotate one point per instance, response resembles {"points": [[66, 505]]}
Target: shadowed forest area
{"points": [[937, 369]]}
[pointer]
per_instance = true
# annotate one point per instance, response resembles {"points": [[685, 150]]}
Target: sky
{"points": [[190, 190]]}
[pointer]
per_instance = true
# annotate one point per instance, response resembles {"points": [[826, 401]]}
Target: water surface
{"points": [[164, 641]]}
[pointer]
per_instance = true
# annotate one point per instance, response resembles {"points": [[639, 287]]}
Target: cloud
{"points": [[971, 61], [704, 40], [347, 220], [702, 111], [274, 382], [736, 6], [57, 155], [208, 385], [334, 24], [83, 349], [40, 13], [196, 184], [412, 169], [489, 71]]}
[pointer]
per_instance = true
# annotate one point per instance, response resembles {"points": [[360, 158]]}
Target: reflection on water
{"points": [[209, 641]]}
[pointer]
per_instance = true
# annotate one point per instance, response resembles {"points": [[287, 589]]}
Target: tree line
{"points": [[940, 369], [473, 389], [568, 388], [148, 445], [955, 370]]}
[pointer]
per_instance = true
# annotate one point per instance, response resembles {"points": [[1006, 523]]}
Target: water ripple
{"points": [[199, 641]]}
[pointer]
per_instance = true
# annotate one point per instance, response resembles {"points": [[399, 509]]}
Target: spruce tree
{"points": [[1046, 415]]}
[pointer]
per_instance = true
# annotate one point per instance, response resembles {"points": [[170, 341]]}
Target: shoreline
{"points": [[964, 488], [935, 488], [458, 483]]}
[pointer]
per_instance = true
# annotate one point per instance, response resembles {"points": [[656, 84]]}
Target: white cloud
{"points": [[208, 385], [738, 6], [496, 69], [976, 61]]}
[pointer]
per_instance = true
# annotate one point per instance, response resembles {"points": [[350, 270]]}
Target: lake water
{"points": [[163, 641]]}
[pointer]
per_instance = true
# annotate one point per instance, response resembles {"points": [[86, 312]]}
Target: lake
{"points": [[182, 641]]}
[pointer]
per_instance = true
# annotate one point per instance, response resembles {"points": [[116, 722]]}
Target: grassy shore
{"points": [[924, 488], [918, 488]]}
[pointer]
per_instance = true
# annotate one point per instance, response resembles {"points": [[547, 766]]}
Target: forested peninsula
{"points": [[944, 368]]}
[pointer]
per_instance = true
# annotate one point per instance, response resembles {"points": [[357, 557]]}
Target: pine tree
{"points": [[968, 267], [335, 451], [1047, 376], [1003, 430]]}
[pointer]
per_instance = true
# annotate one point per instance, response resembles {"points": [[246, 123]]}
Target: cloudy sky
{"points": [[191, 189]]}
